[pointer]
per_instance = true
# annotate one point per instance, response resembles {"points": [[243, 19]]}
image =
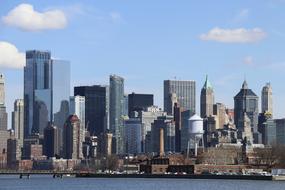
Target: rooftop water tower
{"points": [[195, 129]]}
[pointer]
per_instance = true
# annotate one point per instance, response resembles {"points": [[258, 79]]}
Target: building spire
{"points": [[207, 84], [244, 85]]}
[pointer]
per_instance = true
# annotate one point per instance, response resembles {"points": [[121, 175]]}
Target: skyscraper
{"points": [[185, 93], [51, 138], [116, 110], [96, 107], [73, 137], [18, 121], [207, 99], [139, 102], [77, 107], [46, 91], [266, 99], [3, 113], [246, 102]]}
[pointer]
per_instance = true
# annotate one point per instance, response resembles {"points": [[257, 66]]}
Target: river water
{"points": [[70, 183]]}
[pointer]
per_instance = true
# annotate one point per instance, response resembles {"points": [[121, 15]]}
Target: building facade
{"points": [[206, 99], [246, 101], [147, 117], [51, 144], [166, 123], [266, 99], [46, 91], [73, 138], [139, 102], [96, 107], [132, 135], [184, 91], [77, 107], [3, 113], [116, 110]]}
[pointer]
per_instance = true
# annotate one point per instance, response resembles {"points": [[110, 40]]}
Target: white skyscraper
{"points": [[266, 99], [77, 107], [3, 113]]}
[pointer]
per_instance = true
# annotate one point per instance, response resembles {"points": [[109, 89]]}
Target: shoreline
{"points": [[173, 176]]}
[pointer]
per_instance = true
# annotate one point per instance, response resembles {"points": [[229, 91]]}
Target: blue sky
{"points": [[149, 41]]}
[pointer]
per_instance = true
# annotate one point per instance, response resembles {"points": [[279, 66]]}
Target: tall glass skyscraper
{"points": [[46, 91], [116, 110], [184, 93]]}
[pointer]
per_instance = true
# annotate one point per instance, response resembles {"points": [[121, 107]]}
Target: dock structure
{"points": [[28, 174]]}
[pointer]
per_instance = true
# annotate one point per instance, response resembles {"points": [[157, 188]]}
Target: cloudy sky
{"points": [[149, 41]]}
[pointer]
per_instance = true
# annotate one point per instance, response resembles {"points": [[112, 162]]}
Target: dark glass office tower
{"points": [[96, 107], [246, 102], [139, 102]]}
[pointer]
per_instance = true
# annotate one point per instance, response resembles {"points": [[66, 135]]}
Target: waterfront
{"points": [[70, 183]]}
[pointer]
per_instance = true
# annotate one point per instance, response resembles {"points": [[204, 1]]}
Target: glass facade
{"points": [[96, 107], [46, 91], [139, 102], [185, 91], [116, 110], [77, 107]]}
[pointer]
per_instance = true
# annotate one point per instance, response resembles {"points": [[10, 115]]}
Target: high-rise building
{"points": [[207, 99], [147, 117], [177, 120], [46, 91], [3, 113], [18, 125], [116, 110], [73, 138], [18, 120], [270, 132], [132, 135], [126, 105], [139, 102], [96, 107], [275, 132], [77, 107], [219, 110], [266, 99], [51, 144], [166, 123], [246, 101], [185, 93]]}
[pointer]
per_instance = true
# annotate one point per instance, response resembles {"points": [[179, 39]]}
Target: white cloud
{"points": [[240, 35], [10, 57], [26, 18], [248, 60]]}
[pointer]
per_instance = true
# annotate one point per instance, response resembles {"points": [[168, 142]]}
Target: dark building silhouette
{"points": [[139, 102], [96, 107], [177, 120], [246, 101], [51, 141]]}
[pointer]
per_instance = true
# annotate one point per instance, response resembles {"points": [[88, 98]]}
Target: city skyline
{"points": [[172, 48]]}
